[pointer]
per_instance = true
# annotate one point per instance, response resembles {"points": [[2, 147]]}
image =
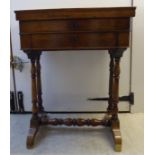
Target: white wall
{"points": [[138, 57], [70, 77]]}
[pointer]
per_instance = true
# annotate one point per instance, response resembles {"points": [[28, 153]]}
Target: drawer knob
{"points": [[74, 39], [75, 25]]}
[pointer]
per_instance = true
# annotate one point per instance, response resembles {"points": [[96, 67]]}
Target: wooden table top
{"points": [[75, 28]]}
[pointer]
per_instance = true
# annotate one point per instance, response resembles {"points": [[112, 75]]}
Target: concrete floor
{"points": [[78, 141]]}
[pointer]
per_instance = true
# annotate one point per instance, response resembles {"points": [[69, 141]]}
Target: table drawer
{"points": [[112, 24], [74, 41]]}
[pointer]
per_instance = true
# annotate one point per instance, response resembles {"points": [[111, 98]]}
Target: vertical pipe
{"points": [[131, 55], [39, 86], [34, 87], [13, 75]]}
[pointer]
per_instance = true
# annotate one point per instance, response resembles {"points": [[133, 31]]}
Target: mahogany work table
{"points": [[75, 29]]}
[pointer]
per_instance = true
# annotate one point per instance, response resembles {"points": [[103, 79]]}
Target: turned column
{"points": [[111, 69], [32, 58], [35, 120], [37, 105], [39, 86], [115, 56]]}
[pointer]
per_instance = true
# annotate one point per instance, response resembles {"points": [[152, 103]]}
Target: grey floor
{"points": [[78, 141]]}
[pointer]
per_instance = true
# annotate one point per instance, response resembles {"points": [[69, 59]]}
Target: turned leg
{"points": [[111, 65], [115, 55], [35, 120], [43, 116], [110, 105], [39, 87]]}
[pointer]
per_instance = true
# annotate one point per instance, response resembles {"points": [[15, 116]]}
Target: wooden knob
{"points": [[74, 39], [75, 25]]}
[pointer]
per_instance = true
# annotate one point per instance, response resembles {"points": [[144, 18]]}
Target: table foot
{"points": [[31, 137], [34, 127], [117, 136]]}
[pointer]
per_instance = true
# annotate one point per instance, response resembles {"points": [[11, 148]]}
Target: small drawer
{"points": [[74, 41], [84, 25]]}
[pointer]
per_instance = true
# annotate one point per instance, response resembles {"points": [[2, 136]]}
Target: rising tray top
{"points": [[45, 14], [75, 28]]}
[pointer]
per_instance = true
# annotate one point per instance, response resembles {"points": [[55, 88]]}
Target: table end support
{"points": [[117, 135], [33, 130], [115, 56]]}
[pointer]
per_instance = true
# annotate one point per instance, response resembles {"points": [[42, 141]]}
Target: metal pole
{"points": [[131, 55], [13, 75]]}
